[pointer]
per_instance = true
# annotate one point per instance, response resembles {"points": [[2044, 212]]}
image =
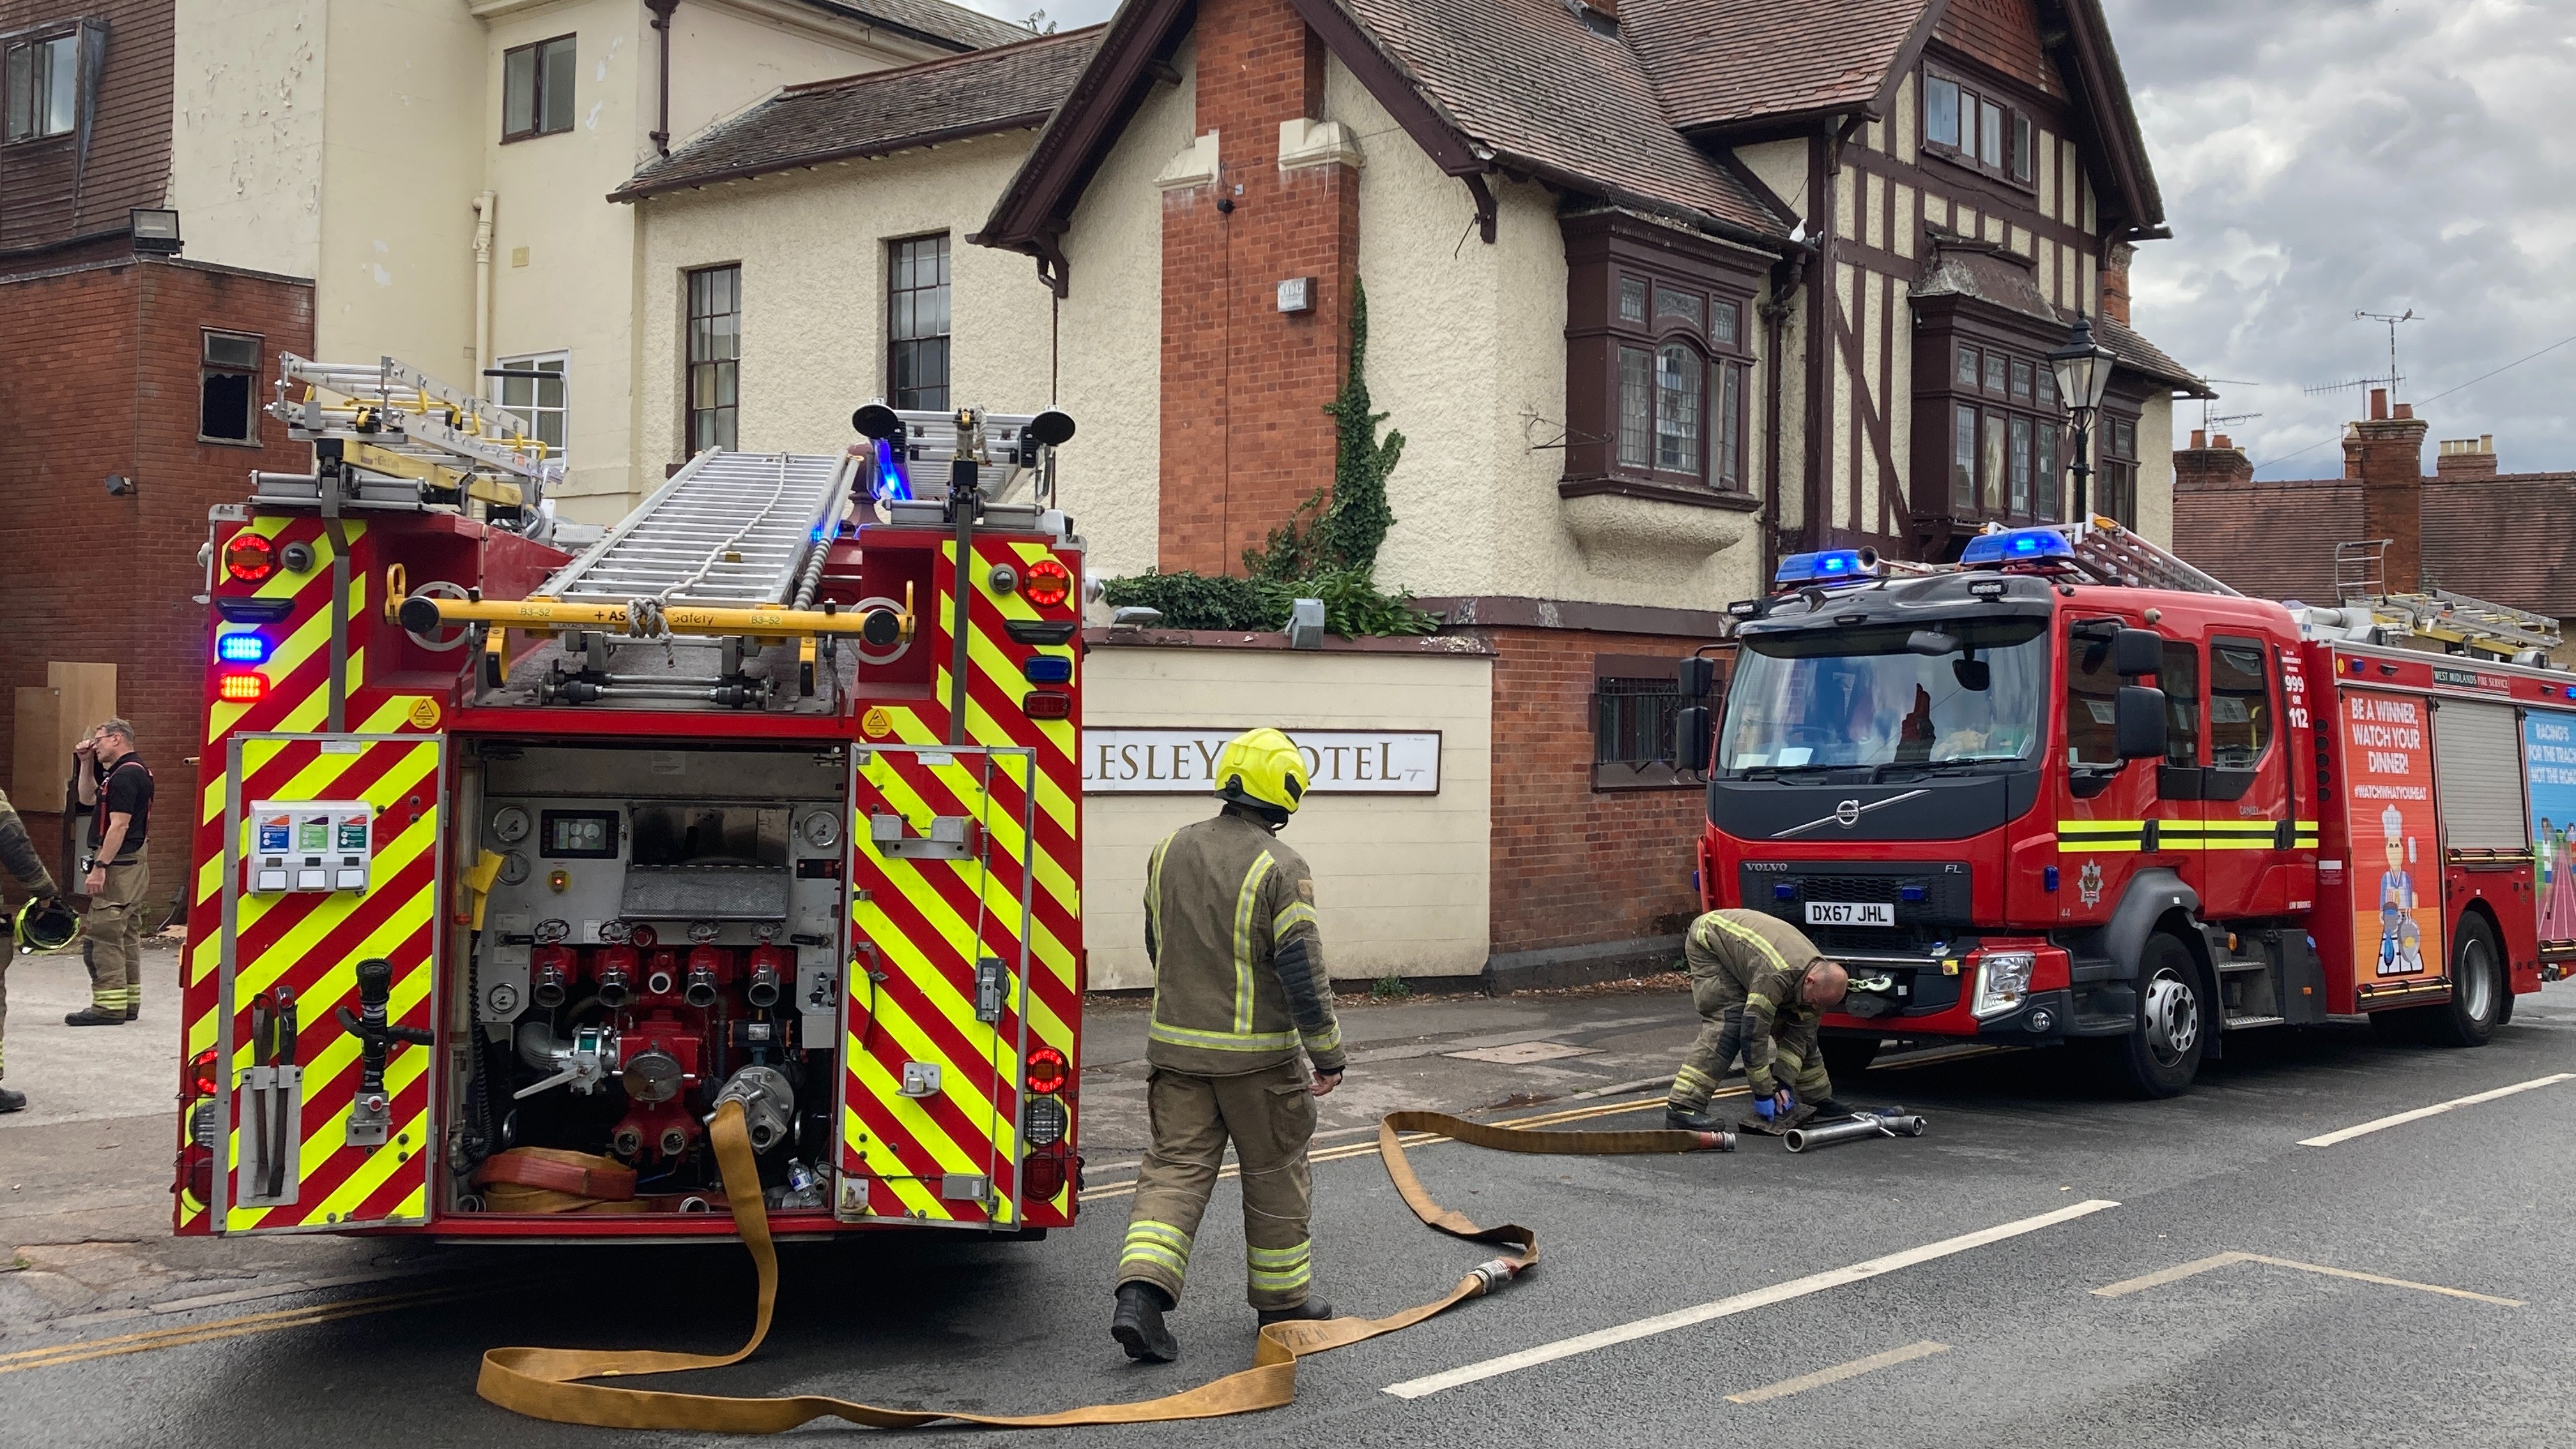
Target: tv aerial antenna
{"points": [[2206, 420], [2394, 377]]}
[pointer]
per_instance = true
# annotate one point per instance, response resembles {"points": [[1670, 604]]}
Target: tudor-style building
{"points": [[1658, 290]]}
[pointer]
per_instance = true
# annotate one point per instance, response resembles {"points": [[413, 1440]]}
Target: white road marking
{"points": [[2198, 1266], [1839, 1372], [1740, 1303], [2437, 1109]]}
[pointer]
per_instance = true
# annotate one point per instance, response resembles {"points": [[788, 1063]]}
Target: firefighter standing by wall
{"points": [[1239, 987], [1759, 984], [18, 856], [116, 788]]}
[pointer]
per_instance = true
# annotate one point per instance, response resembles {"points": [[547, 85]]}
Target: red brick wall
{"points": [[98, 375], [1573, 865], [1245, 439]]}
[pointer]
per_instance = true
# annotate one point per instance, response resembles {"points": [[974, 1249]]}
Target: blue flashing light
{"points": [[1839, 565], [2571, 691], [2048, 878], [241, 648], [1912, 895], [2020, 545], [1047, 669], [1783, 891], [890, 485]]}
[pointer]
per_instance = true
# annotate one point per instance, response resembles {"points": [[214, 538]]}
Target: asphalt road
{"points": [[2003, 1342]]}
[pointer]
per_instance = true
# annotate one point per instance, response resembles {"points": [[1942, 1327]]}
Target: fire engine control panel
{"points": [[310, 845]]}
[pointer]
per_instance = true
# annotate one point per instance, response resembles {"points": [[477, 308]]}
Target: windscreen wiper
{"points": [[1880, 774]]}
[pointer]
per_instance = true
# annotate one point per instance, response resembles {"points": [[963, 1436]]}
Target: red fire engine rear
{"points": [[518, 852], [2030, 800]]}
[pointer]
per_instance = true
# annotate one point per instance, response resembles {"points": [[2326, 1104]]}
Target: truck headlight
{"points": [[2003, 980]]}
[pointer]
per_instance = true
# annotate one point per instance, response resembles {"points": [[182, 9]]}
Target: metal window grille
{"points": [[917, 322], [715, 356], [1632, 720]]}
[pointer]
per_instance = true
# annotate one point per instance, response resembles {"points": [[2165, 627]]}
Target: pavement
{"points": [[2047, 1266]]}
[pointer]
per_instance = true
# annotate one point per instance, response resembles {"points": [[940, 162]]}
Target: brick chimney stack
{"points": [[2386, 453], [2115, 282], [2210, 464], [2466, 457]]}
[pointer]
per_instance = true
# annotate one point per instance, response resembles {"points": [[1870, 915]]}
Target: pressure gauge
{"points": [[552, 932], [514, 868], [822, 829], [510, 824]]}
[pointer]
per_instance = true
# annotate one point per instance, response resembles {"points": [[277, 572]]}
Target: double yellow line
{"points": [[1368, 1147], [83, 1350]]}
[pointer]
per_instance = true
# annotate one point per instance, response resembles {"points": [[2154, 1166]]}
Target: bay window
{"points": [[1659, 360], [1988, 428]]}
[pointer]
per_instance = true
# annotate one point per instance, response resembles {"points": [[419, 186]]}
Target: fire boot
{"points": [[1312, 1310], [92, 1016], [1138, 1326], [12, 1101], [1678, 1120]]}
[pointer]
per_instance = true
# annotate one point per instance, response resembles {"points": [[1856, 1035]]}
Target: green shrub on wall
{"points": [[1326, 550]]}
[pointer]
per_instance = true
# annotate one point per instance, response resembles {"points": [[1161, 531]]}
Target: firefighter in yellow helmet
{"points": [[1239, 992]]}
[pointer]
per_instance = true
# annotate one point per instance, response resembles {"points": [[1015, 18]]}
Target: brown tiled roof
{"points": [[935, 20], [2140, 355], [2508, 539], [1546, 93], [1725, 62], [1004, 88]]}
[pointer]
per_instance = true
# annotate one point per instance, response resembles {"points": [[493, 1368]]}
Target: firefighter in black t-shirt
{"points": [[116, 788]]}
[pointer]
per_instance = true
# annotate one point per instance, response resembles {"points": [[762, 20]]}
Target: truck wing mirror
{"points": [[2136, 651], [2139, 722], [1698, 675], [1694, 730]]}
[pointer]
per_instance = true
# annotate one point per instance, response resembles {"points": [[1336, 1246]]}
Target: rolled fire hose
{"points": [[1864, 1124], [546, 1383]]}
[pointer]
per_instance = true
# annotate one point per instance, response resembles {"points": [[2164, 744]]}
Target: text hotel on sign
{"points": [[1183, 761]]}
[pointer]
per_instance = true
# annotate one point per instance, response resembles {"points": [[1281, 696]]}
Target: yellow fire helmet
{"points": [[44, 925], [1262, 767]]}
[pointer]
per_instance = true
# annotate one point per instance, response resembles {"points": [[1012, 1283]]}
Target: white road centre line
{"points": [[2197, 1266], [1740, 1303], [1839, 1372], [2437, 1109]]}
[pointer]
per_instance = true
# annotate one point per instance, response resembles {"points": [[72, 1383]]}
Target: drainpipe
{"points": [[483, 204], [662, 22]]}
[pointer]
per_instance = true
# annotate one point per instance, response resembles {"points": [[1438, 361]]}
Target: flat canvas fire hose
{"points": [[548, 1383]]}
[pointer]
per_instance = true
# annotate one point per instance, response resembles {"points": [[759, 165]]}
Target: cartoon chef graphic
{"points": [[2401, 943]]}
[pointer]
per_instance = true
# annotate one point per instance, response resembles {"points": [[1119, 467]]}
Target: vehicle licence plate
{"points": [[1850, 913]]}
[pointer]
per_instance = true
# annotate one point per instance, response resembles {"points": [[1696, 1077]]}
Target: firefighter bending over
{"points": [[19, 859], [1760, 985], [1239, 987]]}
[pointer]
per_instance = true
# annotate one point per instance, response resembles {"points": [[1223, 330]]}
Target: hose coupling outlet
{"points": [[1493, 1273]]}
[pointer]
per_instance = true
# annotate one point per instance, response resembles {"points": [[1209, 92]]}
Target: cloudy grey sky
{"points": [[2323, 156]]}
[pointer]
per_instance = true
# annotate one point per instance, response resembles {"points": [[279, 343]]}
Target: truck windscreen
{"points": [[1940, 692]]}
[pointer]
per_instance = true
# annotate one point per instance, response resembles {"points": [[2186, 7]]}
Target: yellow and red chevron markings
{"points": [[312, 942], [297, 702], [931, 920]]}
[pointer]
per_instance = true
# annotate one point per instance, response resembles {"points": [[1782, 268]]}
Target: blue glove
{"points": [[1762, 1108]]}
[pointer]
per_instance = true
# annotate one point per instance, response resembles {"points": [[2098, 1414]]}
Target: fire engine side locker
{"points": [[2487, 858], [309, 941], [2391, 876], [935, 1003]]}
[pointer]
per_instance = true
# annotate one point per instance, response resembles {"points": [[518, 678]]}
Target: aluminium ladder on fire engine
{"points": [[2437, 614], [730, 530], [391, 405]]}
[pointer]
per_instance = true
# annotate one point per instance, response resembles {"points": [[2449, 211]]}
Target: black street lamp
{"points": [[2083, 369]]}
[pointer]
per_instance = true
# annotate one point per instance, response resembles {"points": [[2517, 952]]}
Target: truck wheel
{"points": [[1846, 1057], [2161, 1056], [2478, 989]]}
